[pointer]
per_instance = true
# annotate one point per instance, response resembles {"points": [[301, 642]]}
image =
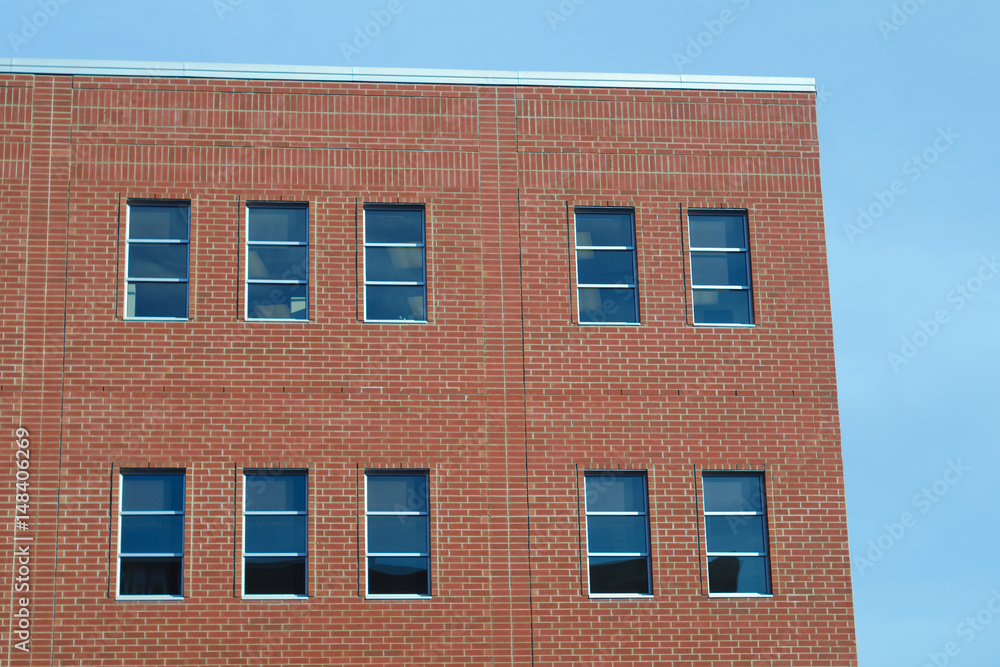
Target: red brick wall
{"points": [[501, 395]]}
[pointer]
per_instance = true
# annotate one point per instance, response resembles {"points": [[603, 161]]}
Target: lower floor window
{"points": [[275, 522], [736, 534], [618, 533], [397, 533], [151, 534]]}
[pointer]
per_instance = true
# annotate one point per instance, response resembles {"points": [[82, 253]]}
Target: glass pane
{"points": [[605, 267], [150, 576], [714, 306], [277, 302], [733, 493], [613, 574], [275, 534], [616, 534], [719, 268], [397, 534], [718, 230], [153, 492], [395, 264], [157, 534], [607, 228], [277, 263], [156, 300], [389, 575], [739, 574], [395, 302], [608, 304], [155, 221], [157, 260], [615, 492], [274, 491], [276, 223], [735, 533], [394, 225], [397, 493], [274, 576]]}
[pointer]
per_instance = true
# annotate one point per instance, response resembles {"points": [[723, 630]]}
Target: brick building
{"points": [[315, 366]]}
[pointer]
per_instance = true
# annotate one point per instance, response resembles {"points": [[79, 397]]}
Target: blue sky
{"points": [[909, 131]]}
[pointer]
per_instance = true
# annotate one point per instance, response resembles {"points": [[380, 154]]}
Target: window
{"points": [[736, 534], [274, 533], [151, 534], [605, 266], [156, 285], [277, 262], [618, 533], [395, 279], [397, 537], [720, 268]]}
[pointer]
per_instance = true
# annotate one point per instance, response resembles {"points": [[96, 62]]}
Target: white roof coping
{"points": [[140, 68]]}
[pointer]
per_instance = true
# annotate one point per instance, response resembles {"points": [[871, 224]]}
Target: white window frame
{"points": [[186, 280], [762, 513], [247, 280], [745, 250], [247, 473], [397, 283], [647, 554], [634, 286], [122, 474], [369, 553]]}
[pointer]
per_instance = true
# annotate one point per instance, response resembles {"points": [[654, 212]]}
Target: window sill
{"points": [[620, 596], [728, 326], [610, 324], [398, 597], [149, 598], [156, 319], [396, 321], [741, 595], [275, 597]]}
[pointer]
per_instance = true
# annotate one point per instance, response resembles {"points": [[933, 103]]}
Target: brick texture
{"points": [[501, 395]]}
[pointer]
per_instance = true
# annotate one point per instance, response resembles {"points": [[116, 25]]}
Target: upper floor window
{"points": [[156, 285], [606, 267], [151, 534], [720, 267], [736, 534], [275, 530], [277, 262], [397, 537], [395, 275], [618, 533]]}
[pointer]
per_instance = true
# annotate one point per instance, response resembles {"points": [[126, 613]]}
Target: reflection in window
{"points": [[736, 534], [720, 268], [618, 533], [397, 538], [395, 274], [151, 534], [605, 266], [156, 283], [277, 262], [275, 519]]}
